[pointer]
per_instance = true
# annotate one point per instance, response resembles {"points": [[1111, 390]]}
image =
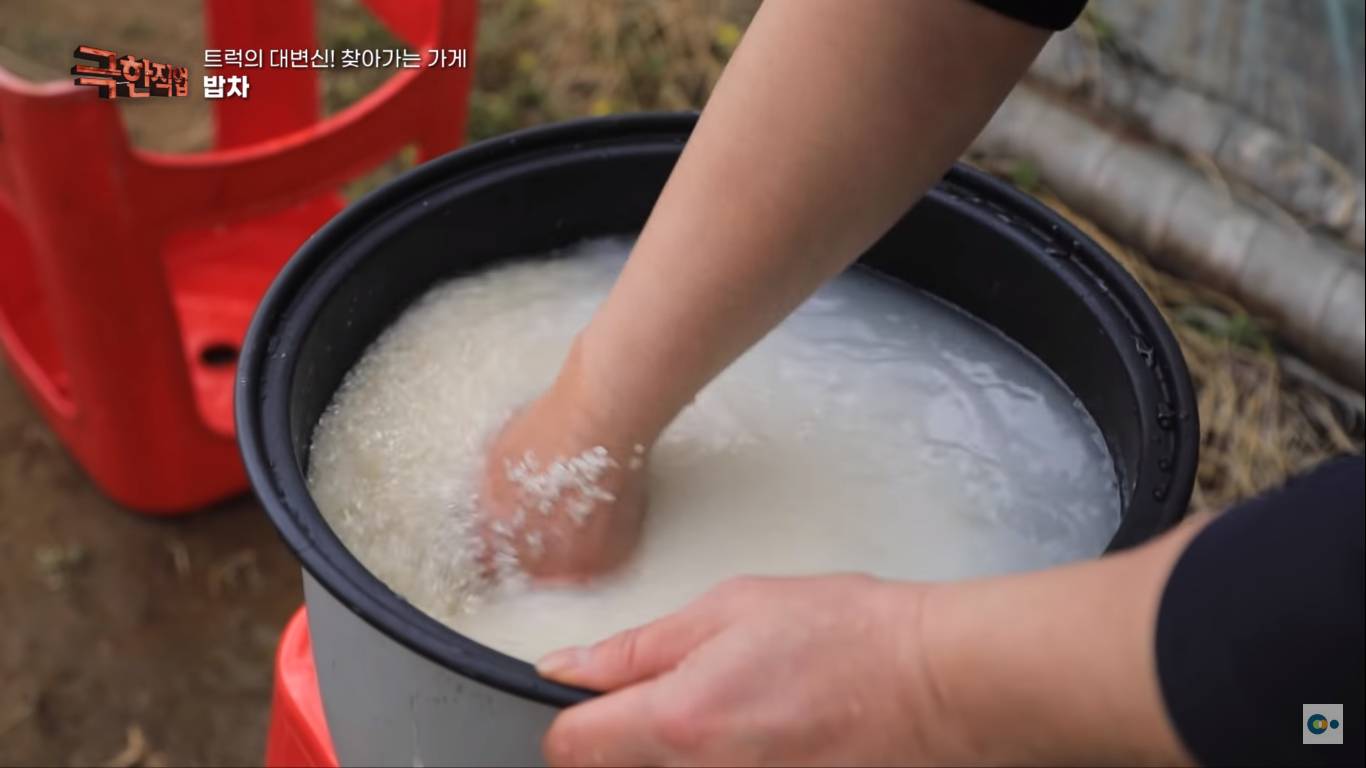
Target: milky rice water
{"points": [[877, 429]]}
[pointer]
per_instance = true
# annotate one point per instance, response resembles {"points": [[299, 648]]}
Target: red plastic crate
{"points": [[298, 733], [127, 278]]}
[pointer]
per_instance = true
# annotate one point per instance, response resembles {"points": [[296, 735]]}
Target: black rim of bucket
{"points": [[265, 375]]}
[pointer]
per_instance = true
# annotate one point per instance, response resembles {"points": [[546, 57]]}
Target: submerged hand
{"points": [[757, 671], [562, 492]]}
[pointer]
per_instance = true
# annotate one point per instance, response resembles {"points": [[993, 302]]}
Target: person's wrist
{"points": [[934, 714], [586, 392], [1056, 666], [993, 703]]}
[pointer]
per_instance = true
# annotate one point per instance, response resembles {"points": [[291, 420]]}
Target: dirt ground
{"points": [[117, 628], [127, 640]]}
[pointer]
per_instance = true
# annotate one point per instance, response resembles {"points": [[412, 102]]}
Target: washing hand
{"points": [[563, 488], [809, 671]]}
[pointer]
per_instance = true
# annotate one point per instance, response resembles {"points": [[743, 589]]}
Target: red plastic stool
{"points": [[298, 729], [127, 277]]}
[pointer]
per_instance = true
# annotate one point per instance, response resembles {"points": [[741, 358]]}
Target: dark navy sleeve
{"points": [[1048, 14], [1263, 615]]}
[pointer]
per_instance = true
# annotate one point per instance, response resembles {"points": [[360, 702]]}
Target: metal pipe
{"points": [[1311, 289], [1291, 173]]}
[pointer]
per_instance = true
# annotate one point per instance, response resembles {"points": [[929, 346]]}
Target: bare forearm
{"points": [[1056, 666], [831, 120]]}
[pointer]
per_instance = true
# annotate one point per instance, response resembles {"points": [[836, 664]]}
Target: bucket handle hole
{"points": [[219, 354]]}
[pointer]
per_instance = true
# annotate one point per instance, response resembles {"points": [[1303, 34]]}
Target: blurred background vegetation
{"points": [[536, 61]]}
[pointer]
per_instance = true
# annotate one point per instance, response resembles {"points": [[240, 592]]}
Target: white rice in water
{"points": [[876, 430]]}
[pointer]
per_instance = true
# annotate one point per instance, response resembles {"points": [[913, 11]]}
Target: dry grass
{"points": [[1257, 425], [545, 60]]}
